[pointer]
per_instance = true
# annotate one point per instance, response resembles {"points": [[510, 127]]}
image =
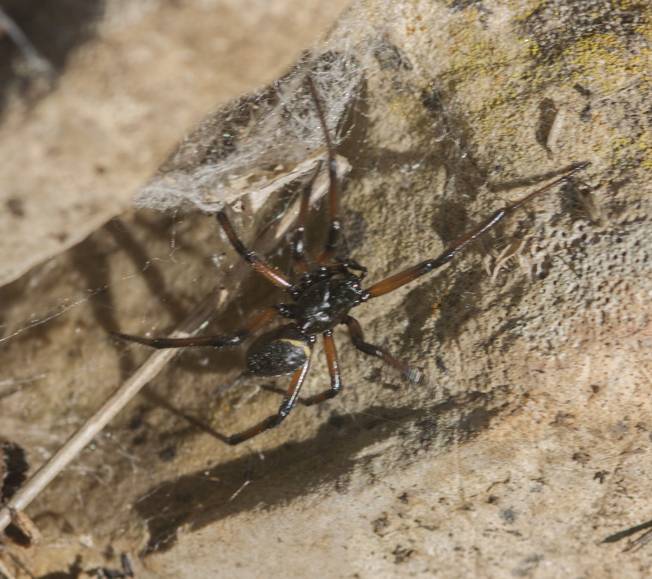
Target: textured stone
{"points": [[528, 444]]}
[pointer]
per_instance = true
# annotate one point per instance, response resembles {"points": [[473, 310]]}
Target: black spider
{"points": [[321, 299]]}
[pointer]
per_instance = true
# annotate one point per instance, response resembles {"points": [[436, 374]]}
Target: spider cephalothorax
{"points": [[322, 300], [324, 292], [324, 297]]}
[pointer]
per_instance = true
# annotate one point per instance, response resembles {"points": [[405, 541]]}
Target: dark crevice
{"points": [[55, 28]]}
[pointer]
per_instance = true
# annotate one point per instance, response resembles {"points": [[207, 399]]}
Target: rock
{"points": [[525, 448]]}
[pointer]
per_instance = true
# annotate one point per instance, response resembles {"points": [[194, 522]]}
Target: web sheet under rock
{"points": [[264, 140]]}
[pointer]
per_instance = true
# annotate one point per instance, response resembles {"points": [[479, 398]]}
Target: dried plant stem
{"points": [[93, 426], [211, 305], [4, 571], [36, 63]]}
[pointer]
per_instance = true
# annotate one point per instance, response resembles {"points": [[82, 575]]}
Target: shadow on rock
{"points": [[327, 461], [282, 474]]}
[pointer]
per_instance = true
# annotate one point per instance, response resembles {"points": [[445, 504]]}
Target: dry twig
{"points": [[211, 305]]}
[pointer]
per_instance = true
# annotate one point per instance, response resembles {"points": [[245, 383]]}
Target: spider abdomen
{"points": [[279, 352]]}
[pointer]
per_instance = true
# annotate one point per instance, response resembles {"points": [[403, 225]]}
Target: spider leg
{"points": [[257, 322], [251, 257], [301, 264], [333, 370], [333, 187], [357, 337], [398, 280], [289, 402]]}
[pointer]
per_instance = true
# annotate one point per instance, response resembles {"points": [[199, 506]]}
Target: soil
{"points": [[526, 451]]}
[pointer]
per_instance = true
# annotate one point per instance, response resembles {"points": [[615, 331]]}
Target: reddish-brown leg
{"points": [[357, 337], [251, 257], [301, 264], [398, 280], [257, 322], [291, 398], [333, 371], [333, 187]]}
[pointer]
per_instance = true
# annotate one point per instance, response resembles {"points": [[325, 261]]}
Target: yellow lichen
{"points": [[604, 57], [634, 150], [516, 70], [525, 13]]}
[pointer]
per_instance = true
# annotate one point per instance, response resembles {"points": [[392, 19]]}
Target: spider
{"points": [[322, 293]]}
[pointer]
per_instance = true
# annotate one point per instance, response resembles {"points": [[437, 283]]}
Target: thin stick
{"points": [[5, 572], [147, 372], [36, 62], [76, 443]]}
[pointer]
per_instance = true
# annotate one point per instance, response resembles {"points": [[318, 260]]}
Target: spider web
{"points": [[257, 143]]}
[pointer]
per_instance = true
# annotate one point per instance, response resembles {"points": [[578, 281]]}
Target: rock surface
{"points": [[529, 443], [130, 78]]}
